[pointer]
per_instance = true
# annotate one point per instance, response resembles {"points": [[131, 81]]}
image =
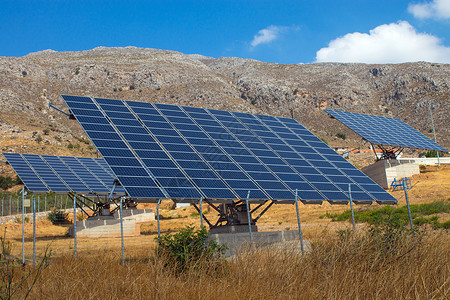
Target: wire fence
{"points": [[11, 204]]}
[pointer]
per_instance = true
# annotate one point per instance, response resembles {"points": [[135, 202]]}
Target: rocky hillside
{"points": [[299, 91]]}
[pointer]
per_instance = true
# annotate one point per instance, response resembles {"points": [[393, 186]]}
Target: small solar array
{"points": [[385, 131], [62, 174], [184, 153]]}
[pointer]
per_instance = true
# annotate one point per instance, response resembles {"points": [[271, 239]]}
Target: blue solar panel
{"points": [[148, 150], [63, 174], [52, 180], [327, 162], [229, 149], [66, 174], [109, 139], [25, 173], [193, 152], [385, 131]]}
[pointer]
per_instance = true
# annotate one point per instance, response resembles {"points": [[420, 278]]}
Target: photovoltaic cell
{"points": [[43, 173], [197, 153], [105, 139], [193, 152], [28, 176], [385, 131]]}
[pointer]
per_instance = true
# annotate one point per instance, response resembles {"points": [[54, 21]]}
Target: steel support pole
{"points": [[18, 204], [299, 224], [157, 221], [3, 200], [45, 203], [121, 231], [249, 220], [201, 213], [75, 225], [407, 203], [351, 207], [434, 132], [23, 226], [10, 205], [39, 203], [34, 231]]}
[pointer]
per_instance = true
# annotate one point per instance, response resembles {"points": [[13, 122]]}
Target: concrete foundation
{"points": [[232, 229], [241, 241], [109, 226], [384, 171]]}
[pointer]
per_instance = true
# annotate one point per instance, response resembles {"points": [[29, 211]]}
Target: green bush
{"points": [[189, 248], [7, 182], [398, 216], [57, 216], [341, 135]]}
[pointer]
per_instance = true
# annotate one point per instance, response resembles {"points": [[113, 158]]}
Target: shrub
{"points": [[7, 182], [189, 248], [57, 216], [341, 135]]}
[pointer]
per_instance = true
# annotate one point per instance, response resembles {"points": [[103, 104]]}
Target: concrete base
{"points": [[241, 241], [384, 171], [232, 229], [109, 226]]}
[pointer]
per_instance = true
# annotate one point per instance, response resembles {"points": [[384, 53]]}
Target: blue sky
{"points": [[371, 31]]}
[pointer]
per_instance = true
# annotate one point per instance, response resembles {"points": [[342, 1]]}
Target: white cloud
{"points": [[267, 35], [436, 9], [388, 43]]}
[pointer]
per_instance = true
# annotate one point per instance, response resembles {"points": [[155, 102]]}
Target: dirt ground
{"points": [[433, 184]]}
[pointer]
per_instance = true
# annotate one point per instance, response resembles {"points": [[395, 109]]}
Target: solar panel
{"points": [[32, 181], [169, 148], [43, 173], [385, 131], [192, 152], [209, 161]]}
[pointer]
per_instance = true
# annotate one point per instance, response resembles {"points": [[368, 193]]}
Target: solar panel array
{"points": [[168, 151], [62, 174], [385, 131]]}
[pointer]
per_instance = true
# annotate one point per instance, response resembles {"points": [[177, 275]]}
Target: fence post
{"points": [[302, 247], [75, 224], [249, 219], [10, 205], [34, 231], [23, 226], [405, 188], [121, 230]]}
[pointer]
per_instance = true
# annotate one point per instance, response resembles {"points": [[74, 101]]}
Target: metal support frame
{"points": [[249, 220], [388, 153], [23, 226], [121, 231], [299, 224], [71, 116], [157, 221], [405, 188], [434, 132], [34, 231], [351, 206], [75, 225], [201, 213]]}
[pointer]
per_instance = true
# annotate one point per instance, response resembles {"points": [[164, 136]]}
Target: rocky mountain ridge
{"points": [[300, 91]]}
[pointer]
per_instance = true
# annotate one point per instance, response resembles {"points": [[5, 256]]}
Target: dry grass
{"points": [[356, 269], [370, 266]]}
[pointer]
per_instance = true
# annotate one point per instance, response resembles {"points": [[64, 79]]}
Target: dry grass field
{"points": [[380, 265]]}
